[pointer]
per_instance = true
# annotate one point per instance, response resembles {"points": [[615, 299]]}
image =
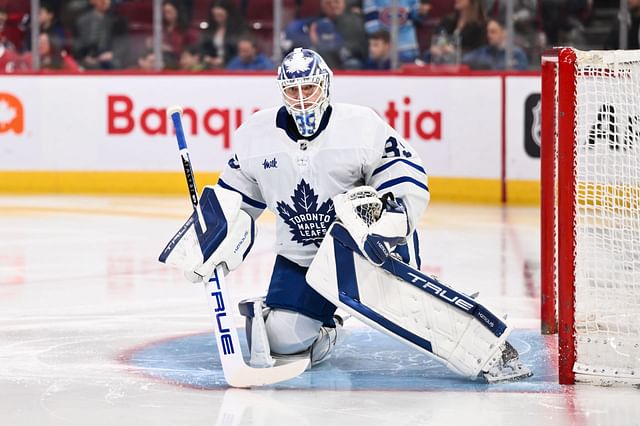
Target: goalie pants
{"points": [[289, 290]]}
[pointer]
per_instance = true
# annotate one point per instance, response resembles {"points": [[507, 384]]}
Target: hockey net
{"points": [[590, 212]]}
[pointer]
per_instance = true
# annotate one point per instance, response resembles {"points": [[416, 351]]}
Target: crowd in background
{"points": [[198, 35]]}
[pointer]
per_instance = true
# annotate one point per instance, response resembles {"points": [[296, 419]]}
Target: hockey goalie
{"points": [[339, 244], [393, 297]]}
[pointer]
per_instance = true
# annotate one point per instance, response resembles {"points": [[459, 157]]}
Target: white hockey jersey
{"points": [[296, 179]]}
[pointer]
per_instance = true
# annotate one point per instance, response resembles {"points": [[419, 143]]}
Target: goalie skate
{"points": [[506, 367]]}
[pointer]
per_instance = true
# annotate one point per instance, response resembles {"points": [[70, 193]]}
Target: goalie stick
{"points": [[236, 372]]}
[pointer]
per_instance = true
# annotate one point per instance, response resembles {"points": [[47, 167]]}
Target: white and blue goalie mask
{"points": [[304, 80]]}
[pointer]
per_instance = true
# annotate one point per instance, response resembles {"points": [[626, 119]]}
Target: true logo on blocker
{"points": [[11, 114]]}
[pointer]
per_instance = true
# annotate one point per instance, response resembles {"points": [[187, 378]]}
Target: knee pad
{"points": [[291, 332]]}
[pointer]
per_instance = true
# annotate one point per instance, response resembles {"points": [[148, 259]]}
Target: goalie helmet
{"points": [[304, 79]]}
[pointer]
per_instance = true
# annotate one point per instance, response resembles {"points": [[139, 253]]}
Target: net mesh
{"points": [[607, 228]]}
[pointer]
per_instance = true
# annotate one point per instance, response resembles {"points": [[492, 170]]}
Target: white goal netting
{"points": [[607, 224]]}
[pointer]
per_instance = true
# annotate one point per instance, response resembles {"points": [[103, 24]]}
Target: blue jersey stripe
{"points": [[397, 160], [400, 180], [245, 199]]}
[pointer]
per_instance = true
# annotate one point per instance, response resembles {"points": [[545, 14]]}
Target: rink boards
{"points": [[477, 133]]}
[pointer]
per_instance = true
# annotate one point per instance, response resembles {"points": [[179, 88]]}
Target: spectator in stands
{"points": [[523, 10], [187, 9], [379, 51], [337, 35], [52, 56], [147, 61], [248, 57], [4, 17], [350, 28], [326, 40], [562, 20], [190, 59], [296, 34], [175, 33], [220, 39], [98, 37], [492, 56], [377, 15], [460, 32], [48, 23], [354, 6], [528, 33], [8, 53], [613, 39]]}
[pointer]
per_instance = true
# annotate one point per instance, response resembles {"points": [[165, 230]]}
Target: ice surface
{"points": [[93, 330]]}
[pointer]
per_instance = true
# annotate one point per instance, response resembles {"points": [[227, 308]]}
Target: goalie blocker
{"points": [[226, 241], [414, 308]]}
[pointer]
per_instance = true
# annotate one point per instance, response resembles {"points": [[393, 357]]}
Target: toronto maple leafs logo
{"points": [[297, 62], [308, 224]]}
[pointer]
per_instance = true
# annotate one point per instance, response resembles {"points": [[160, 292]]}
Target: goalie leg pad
{"points": [[404, 303]]}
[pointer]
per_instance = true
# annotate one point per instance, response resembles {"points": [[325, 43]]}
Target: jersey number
{"points": [[306, 122], [393, 148]]}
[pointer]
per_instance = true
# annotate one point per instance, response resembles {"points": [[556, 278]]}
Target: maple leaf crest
{"points": [[298, 62], [308, 224]]}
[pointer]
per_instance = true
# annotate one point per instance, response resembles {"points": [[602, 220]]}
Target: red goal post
{"points": [[590, 213]]}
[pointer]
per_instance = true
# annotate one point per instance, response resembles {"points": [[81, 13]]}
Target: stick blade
{"points": [[244, 376]]}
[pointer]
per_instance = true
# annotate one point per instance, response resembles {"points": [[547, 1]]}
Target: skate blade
{"points": [[513, 376]]}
